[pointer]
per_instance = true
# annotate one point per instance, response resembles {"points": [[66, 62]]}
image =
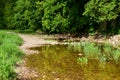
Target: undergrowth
{"points": [[96, 51], [9, 55]]}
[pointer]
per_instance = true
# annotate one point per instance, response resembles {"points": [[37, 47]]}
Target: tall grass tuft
{"points": [[100, 52], [9, 55], [116, 55], [76, 47], [91, 51], [10, 38]]}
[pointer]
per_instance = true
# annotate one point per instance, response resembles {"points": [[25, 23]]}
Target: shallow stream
{"points": [[57, 62]]}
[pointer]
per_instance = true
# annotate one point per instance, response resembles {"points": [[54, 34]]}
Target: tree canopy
{"points": [[60, 16]]}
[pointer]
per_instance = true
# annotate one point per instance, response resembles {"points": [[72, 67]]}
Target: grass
{"points": [[83, 60], [95, 51], [9, 55], [91, 51], [75, 47], [116, 55], [19, 31]]}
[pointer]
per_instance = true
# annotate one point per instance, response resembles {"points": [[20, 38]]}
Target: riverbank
{"points": [[37, 40]]}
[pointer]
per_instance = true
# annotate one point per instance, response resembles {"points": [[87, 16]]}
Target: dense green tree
{"points": [[24, 16], [103, 12], [8, 14], [60, 16], [54, 19], [63, 16], [78, 22], [2, 4]]}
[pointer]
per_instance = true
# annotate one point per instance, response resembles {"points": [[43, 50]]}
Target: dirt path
{"points": [[33, 41]]}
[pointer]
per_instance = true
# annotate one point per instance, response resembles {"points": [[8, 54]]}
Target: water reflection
{"points": [[56, 62]]}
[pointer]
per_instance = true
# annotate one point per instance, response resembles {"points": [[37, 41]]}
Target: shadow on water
{"points": [[57, 62]]}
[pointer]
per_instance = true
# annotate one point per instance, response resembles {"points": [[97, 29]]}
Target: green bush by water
{"points": [[9, 54], [116, 55], [91, 51], [101, 52]]}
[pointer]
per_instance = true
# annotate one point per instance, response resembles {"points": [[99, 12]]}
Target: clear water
{"points": [[57, 62]]}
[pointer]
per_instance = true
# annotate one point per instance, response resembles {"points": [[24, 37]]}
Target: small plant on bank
{"points": [[116, 55], [107, 49], [101, 52], [83, 60], [91, 51], [76, 47]]}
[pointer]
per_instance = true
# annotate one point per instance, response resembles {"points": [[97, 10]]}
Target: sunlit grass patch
{"points": [[10, 38], [101, 52], [9, 54]]}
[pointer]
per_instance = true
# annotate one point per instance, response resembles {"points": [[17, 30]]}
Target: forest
{"points": [[61, 16], [58, 48]]}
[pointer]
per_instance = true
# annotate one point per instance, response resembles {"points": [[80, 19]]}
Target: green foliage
{"points": [[101, 10], [90, 50], [76, 47], [10, 38], [101, 52], [50, 16], [78, 22], [107, 49], [9, 55], [20, 14], [8, 14], [24, 15], [60, 16], [83, 60], [116, 55], [104, 12], [53, 19]]}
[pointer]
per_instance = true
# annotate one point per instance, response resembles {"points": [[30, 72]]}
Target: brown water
{"points": [[56, 62]]}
